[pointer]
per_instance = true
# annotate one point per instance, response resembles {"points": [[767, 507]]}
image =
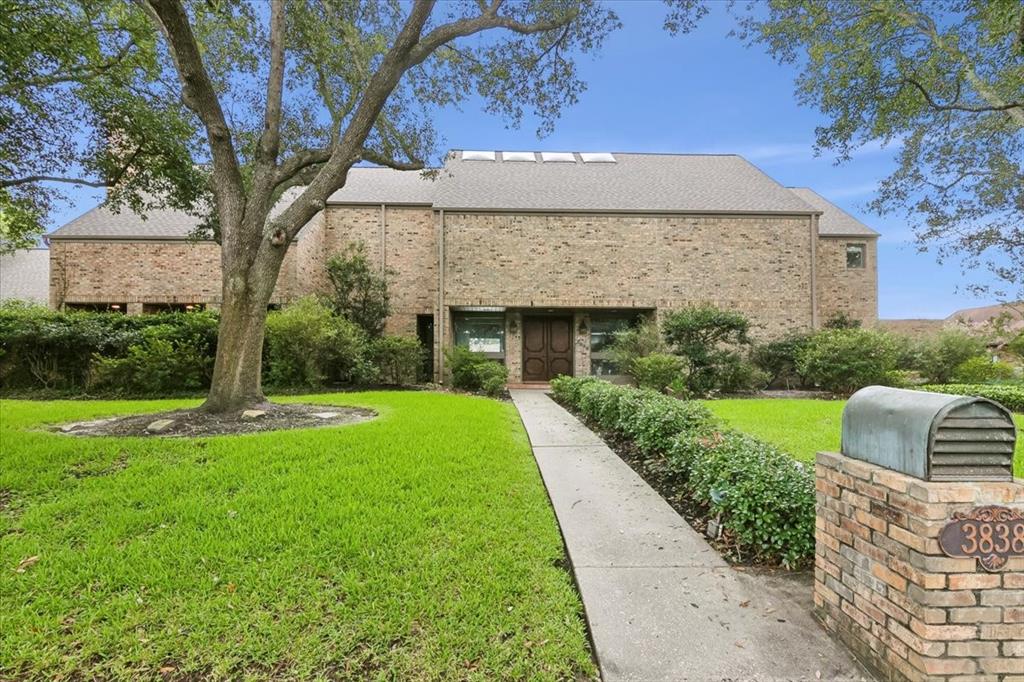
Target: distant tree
{"points": [[360, 290], [942, 80], [220, 106]]}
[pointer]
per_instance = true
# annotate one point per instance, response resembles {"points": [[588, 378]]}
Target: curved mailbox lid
{"points": [[892, 427]]}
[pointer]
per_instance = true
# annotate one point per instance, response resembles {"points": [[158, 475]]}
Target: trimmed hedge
{"points": [[1011, 396], [764, 498]]}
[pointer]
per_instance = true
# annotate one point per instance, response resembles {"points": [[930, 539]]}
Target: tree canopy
{"points": [[943, 80]]}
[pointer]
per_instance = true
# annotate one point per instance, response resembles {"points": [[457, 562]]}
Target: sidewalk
{"points": [[660, 603]]}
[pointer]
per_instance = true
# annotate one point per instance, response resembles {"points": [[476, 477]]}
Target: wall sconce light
{"points": [[513, 326], [583, 326]]}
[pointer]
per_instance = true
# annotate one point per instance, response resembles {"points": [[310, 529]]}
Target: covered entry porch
{"points": [[538, 344]]}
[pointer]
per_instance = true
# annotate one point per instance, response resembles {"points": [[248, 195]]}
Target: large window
{"points": [[602, 334], [481, 333], [855, 256]]}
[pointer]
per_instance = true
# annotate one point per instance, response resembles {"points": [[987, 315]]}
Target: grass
{"points": [[803, 427], [420, 545]]}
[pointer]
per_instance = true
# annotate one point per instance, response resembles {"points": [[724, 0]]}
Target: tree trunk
{"points": [[237, 369]]}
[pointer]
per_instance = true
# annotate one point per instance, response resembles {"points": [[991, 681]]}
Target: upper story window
{"points": [[855, 256], [481, 333]]}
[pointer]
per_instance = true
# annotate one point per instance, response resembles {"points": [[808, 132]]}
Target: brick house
{"points": [[532, 258]]}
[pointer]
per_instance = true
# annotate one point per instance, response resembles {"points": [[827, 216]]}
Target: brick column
{"points": [[883, 585]]}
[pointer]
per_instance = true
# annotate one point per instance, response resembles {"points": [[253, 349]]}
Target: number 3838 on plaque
{"points": [[992, 535]]}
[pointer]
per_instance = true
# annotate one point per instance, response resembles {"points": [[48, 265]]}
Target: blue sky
{"points": [[707, 92]]}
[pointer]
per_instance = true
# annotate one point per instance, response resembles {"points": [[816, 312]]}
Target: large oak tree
{"points": [[218, 107]]}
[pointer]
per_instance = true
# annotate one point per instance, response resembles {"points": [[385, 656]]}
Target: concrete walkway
{"points": [[661, 604]]}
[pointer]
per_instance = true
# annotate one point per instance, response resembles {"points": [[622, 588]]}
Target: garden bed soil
{"points": [[195, 423]]}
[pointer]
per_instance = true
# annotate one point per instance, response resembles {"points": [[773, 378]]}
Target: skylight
{"points": [[597, 157], [477, 156], [557, 157], [518, 156]]}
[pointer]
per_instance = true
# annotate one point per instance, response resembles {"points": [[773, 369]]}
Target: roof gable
{"points": [[834, 221]]}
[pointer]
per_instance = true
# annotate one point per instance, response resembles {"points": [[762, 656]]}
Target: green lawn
{"points": [[420, 545], [803, 427]]}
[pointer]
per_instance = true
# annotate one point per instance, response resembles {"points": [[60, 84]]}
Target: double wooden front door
{"points": [[547, 347]]}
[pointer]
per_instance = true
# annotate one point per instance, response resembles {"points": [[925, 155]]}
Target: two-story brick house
{"points": [[532, 258]]}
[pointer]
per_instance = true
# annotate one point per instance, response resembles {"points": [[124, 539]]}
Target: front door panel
{"points": [[547, 347]]}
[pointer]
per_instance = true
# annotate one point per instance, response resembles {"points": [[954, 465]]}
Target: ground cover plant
{"points": [[418, 545], [805, 427]]}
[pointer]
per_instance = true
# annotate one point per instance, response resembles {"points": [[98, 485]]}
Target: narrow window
{"points": [[855, 256]]}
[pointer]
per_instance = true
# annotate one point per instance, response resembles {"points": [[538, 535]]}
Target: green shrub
{"points": [[592, 400], [47, 349], [659, 422], [307, 345], [360, 290], [981, 369], [845, 360], [155, 366], [778, 359], [946, 351], [396, 358], [1011, 396], [738, 375], [634, 343], [765, 498], [473, 371], [706, 336], [657, 370]]}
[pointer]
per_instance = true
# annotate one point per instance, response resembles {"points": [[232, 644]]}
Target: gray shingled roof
{"points": [[25, 275], [834, 221], [103, 223], [385, 186], [634, 182], [687, 183]]}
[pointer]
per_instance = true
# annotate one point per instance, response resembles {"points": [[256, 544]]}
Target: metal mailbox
{"points": [[933, 436]]}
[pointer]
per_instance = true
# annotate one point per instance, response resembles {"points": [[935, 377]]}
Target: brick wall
{"points": [[886, 589], [150, 271], [759, 265], [850, 290], [406, 245]]}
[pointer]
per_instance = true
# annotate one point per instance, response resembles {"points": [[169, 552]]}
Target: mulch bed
{"points": [[195, 423]]}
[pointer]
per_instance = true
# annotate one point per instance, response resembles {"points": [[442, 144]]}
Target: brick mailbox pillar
{"points": [[887, 582]]}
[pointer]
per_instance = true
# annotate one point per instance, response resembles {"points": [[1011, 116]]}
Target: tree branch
{"points": [[270, 139], [14, 182], [956, 105], [199, 95], [380, 159]]}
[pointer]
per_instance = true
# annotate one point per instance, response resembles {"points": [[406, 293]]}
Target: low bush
{"points": [[739, 375], [764, 498], [160, 364], [942, 354], [981, 369], [43, 349], [1011, 396], [396, 358], [308, 345], [845, 360], [659, 422], [778, 360], [657, 371], [707, 337], [471, 371]]}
